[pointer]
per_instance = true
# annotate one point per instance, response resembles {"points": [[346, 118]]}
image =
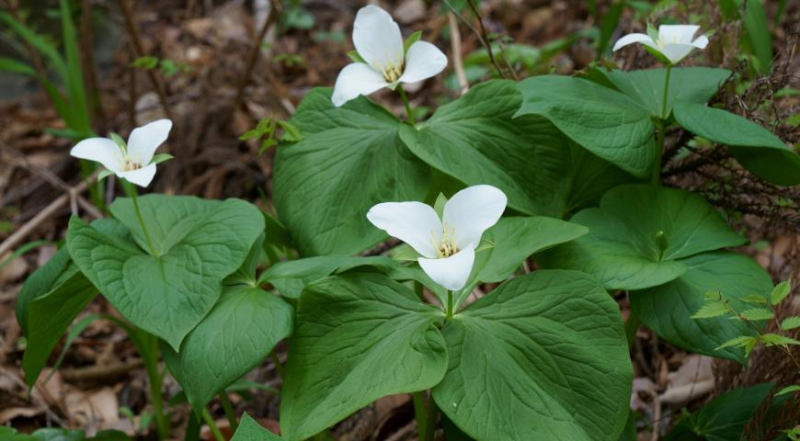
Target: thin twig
{"points": [[43, 215], [274, 12], [138, 48], [485, 38], [458, 63]]}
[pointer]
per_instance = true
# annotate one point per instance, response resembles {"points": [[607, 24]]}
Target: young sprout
{"points": [[133, 162], [447, 245], [673, 44], [386, 63]]}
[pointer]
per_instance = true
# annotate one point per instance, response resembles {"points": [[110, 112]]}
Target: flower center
{"points": [[446, 246], [392, 72], [128, 165]]}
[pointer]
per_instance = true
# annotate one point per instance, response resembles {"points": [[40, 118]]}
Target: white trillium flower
{"points": [[379, 43], [447, 245], [674, 41], [132, 163]]}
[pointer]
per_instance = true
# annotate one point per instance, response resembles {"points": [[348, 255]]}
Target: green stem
{"points": [[278, 366], [192, 428], [423, 408], [403, 95], [212, 425], [154, 377], [656, 179], [131, 190], [666, 93], [631, 326], [449, 304], [227, 406]]}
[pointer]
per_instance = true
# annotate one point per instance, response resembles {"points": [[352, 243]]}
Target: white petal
{"points": [[144, 141], [472, 211], [414, 223], [141, 176], [676, 52], [701, 42], [451, 272], [354, 80], [634, 38], [676, 34], [102, 150], [423, 61], [377, 37]]}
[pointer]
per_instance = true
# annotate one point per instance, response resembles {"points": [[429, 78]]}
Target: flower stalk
{"points": [[150, 355], [407, 105], [131, 191]]}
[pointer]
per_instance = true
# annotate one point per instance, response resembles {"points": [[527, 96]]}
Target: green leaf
{"points": [[413, 38], [778, 340], [757, 314], [788, 390], [622, 248], [754, 298], [475, 140], [49, 317], [712, 309], [291, 277], [755, 21], [350, 159], [58, 269], [74, 78], [16, 66], [515, 239], [161, 157], [250, 430], [235, 337], [355, 57], [737, 342], [604, 121], [723, 418], [754, 147], [691, 84], [527, 357], [780, 292], [607, 26], [198, 243], [790, 323], [668, 309], [358, 338]]}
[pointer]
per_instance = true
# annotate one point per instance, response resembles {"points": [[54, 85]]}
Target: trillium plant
{"points": [[469, 259]]}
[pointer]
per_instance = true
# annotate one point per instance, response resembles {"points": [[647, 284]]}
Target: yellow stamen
{"points": [[446, 246]]}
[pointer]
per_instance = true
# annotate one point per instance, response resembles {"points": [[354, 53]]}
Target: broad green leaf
{"points": [[692, 84], [350, 159], [198, 243], [250, 430], [623, 249], [475, 140], [49, 317], [604, 121], [780, 292], [757, 314], [668, 309], [291, 277], [236, 336], [723, 418], [515, 239], [788, 390], [51, 299], [755, 147], [790, 323], [525, 362], [755, 22], [58, 269], [358, 338], [712, 309]]}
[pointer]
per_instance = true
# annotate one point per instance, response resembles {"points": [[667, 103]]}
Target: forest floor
{"points": [[203, 50]]}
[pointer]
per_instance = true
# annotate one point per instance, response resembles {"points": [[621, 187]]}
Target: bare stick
{"points": [[253, 57], [138, 48], [43, 215], [458, 63]]}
